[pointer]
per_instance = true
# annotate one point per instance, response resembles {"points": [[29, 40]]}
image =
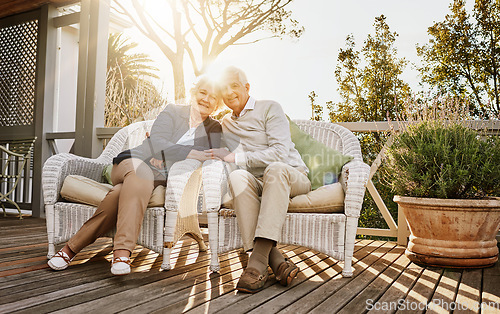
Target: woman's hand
{"points": [[157, 163], [222, 154], [199, 155]]}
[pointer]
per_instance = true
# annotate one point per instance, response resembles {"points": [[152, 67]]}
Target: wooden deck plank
{"points": [[102, 274], [380, 274], [9, 250], [309, 266], [11, 221], [303, 259], [202, 281], [365, 257], [219, 304], [276, 297], [200, 292], [11, 243], [99, 248], [398, 290], [179, 286], [469, 292], [446, 291], [48, 277], [490, 296], [345, 294], [22, 253], [422, 291], [95, 289], [377, 287]]}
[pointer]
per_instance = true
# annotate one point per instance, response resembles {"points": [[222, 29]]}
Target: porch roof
{"points": [[12, 7]]}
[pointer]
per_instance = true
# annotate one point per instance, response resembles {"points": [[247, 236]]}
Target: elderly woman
{"points": [[180, 132]]}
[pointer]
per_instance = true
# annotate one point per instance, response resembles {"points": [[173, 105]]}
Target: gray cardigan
{"points": [[170, 125]]}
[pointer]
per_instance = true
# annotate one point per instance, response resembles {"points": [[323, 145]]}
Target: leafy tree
{"points": [[205, 28], [126, 66], [463, 56], [130, 94], [370, 89], [316, 110]]}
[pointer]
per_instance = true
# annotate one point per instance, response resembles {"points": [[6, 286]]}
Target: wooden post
{"points": [[403, 230], [91, 89], [44, 107]]}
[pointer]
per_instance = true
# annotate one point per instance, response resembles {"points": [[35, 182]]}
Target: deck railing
{"points": [[398, 230]]}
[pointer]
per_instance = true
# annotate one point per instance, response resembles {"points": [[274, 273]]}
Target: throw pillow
{"points": [[106, 174], [83, 190], [324, 163]]}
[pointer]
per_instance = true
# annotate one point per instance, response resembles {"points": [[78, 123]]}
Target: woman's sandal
{"points": [[60, 261], [120, 266], [286, 272]]}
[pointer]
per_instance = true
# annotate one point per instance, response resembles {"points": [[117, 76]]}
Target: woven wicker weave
{"points": [[65, 219], [332, 234]]}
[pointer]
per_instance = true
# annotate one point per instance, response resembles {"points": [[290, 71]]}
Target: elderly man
{"points": [[257, 134]]}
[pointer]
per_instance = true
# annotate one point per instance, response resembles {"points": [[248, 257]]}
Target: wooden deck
{"points": [[383, 278]]}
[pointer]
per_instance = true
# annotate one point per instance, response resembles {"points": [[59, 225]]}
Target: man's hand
{"points": [[230, 158], [199, 155], [219, 153], [222, 154], [157, 163]]}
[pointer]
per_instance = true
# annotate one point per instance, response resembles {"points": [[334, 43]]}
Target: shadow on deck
{"points": [[383, 280]]}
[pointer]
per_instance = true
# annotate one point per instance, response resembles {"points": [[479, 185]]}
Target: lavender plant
{"points": [[438, 154]]}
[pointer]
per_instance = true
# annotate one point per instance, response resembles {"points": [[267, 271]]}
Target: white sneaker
{"points": [[59, 261], [120, 266]]}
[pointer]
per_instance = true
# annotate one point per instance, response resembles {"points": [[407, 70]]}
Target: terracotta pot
{"points": [[451, 232]]}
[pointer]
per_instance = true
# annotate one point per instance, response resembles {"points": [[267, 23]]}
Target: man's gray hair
{"points": [[237, 71]]}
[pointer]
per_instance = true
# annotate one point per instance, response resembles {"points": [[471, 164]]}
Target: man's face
{"points": [[234, 93]]}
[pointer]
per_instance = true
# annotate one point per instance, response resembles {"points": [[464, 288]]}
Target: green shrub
{"points": [[443, 159]]}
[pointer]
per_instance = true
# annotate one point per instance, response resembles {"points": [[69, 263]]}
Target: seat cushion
{"points": [[325, 199], [83, 190]]}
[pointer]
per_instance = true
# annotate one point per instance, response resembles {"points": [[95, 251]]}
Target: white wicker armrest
{"points": [[354, 177], [59, 166]]}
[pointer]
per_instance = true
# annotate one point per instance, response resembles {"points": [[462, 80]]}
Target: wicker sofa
{"points": [[330, 233]]}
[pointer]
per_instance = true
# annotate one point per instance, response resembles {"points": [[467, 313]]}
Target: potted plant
{"points": [[446, 177]]}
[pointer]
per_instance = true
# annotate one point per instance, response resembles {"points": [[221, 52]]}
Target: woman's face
{"points": [[205, 99]]}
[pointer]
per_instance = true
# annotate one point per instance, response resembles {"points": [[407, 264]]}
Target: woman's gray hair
{"points": [[232, 70], [202, 80]]}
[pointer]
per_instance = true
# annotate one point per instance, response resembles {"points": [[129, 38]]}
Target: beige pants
{"points": [[123, 207], [264, 218]]}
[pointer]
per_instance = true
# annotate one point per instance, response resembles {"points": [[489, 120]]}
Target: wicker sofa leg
{"points": [[350, 238], [166, 258], [213, 239], [170, 221], [49, 214]]}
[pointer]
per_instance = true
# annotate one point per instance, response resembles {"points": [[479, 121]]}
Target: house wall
{"points": [[66, 78], [66, 84]]}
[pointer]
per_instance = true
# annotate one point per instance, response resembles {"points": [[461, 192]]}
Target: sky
{"points": [[287, 70]]}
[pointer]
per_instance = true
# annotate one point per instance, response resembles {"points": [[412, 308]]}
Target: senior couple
{"points": [[256, 141]]}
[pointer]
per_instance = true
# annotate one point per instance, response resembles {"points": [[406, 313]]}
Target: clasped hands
{"points": [[221, 154], [214, 153]]}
